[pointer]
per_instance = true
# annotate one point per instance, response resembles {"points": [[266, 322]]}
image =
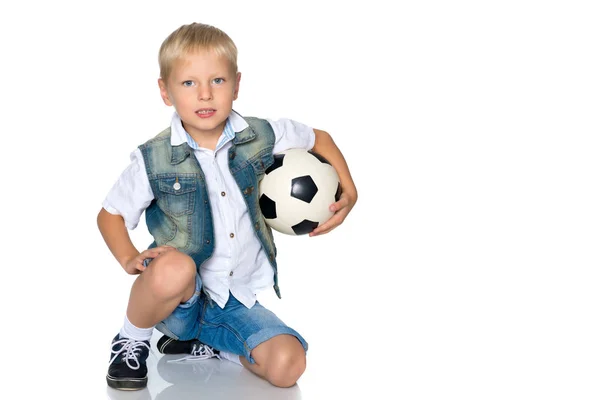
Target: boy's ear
{"points": [[163, 92], [237, 85]]}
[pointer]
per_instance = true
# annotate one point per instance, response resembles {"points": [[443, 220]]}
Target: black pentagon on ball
{"points": [[304, 227], [320, 157], [267, 207], [304, 188], [278, 162], [338, 192]]}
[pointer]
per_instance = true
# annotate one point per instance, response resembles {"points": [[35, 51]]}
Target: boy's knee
{"points": [[285, 367], [171, 273]]}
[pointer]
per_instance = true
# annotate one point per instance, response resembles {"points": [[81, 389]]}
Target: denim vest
{"points": [[180, 214]]}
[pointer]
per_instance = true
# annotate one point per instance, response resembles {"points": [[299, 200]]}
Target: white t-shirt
{"points": [[238, 263]]}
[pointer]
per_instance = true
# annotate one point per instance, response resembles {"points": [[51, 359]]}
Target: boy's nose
{"points": [[204, 93]]}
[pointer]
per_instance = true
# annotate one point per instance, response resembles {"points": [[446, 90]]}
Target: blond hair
{"points": [[193, 37]]}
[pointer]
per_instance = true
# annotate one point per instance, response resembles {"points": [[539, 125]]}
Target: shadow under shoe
{"points": [[127, 369]]}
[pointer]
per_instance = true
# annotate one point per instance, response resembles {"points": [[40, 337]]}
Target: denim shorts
{"points": [[235, 328]]}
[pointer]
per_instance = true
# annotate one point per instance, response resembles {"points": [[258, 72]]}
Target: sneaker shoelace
{"points": [[199, 352], [131, 351]]}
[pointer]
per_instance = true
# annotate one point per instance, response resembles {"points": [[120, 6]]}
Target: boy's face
{"points": [[202, 88]]}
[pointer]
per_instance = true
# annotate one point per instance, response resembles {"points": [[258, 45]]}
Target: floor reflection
{"points": [[212, 379], [114, 394]]}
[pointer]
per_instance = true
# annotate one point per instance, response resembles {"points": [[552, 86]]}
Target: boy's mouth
{"points": [[205, 112]]}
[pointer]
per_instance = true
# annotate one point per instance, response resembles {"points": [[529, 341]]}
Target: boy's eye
{"points": [[218, 81], [188, 83]]}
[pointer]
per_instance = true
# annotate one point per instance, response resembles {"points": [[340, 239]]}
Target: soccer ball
{"points": [[297, 190]]}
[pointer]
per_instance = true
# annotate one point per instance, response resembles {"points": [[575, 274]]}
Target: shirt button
{"points": [[230, 273], [231, 235], [222, 193]]}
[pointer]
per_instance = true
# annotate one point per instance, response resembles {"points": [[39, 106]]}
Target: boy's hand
{"points": [[341, 208], [135, 265]]}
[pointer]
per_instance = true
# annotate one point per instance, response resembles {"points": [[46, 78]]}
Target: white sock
{"points": [[133, 332], [231, 357]]}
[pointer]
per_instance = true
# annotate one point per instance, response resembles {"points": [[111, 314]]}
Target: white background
{"points": [[469, 267]]}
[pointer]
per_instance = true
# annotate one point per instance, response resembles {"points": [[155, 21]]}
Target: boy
{"points": [[197, 182]]}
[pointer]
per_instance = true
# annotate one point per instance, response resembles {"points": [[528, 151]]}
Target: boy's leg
{"points": [[280, 360], [265, 345], [168, 281]]}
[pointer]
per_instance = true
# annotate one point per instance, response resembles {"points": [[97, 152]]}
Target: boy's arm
{"points": [[325, 146], [113, 230]]}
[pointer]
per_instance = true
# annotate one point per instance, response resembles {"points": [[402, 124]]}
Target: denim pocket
{"points": [[177, 195]]}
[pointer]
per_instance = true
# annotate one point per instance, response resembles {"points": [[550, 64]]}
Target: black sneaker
{"points": [[127, 370], [195, 348]]}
